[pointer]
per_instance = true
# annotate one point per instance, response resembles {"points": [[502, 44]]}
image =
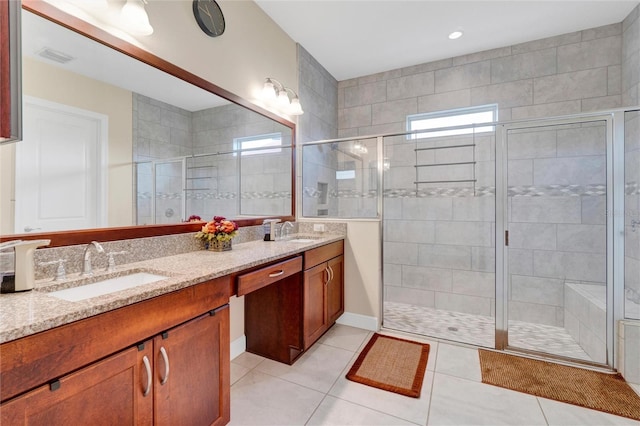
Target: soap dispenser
{"points": [[269, 227], [21, 278]]}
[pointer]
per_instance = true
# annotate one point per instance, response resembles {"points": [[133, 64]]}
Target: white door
{"points": [[60, 168]]}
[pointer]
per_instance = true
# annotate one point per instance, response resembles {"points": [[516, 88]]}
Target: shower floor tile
{"points": [[479, 330]]}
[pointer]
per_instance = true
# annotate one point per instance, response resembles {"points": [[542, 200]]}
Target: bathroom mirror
{"points": [[164, 148]]}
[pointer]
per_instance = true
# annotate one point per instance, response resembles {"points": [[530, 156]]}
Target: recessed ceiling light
{"points": [[454, 35]]}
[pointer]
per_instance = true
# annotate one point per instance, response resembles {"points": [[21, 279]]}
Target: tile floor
{"points": [[479, 330], [314, 391]]}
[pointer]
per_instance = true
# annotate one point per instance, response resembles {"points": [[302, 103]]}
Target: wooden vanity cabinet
{"points": [[288, 305], [323, 290], [107, 392], [188, 378], [174, 368], [273, 310]]}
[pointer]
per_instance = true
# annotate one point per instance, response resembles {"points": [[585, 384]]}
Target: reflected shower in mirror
{"points": [[128, 144]]}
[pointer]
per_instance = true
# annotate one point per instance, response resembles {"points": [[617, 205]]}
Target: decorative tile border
{"points": [[482, 191], [192, 195], [632, 188]]}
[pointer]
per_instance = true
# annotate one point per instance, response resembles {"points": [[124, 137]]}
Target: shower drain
{"points": [[452, 328]]}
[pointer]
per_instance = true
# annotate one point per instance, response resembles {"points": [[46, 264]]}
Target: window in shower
{"points": [[452, 118], [250, 145]]}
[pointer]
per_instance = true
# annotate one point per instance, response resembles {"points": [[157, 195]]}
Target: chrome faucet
{"points": [[86, 268], [287, 227]]}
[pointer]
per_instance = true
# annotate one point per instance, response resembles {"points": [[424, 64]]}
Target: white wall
{"points": [[362, 274], [252, 47]]}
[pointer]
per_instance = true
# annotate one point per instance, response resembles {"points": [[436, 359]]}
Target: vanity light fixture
{"points": [[135, 18], [455, 35], [285, 98]]}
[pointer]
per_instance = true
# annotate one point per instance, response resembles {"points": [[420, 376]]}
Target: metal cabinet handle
{"points": [[276, 274], [326, 269], [331, 272], [147, 367], [165, 358]]}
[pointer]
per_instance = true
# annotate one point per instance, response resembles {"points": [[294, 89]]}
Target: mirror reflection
{"points": [[110, 141]]}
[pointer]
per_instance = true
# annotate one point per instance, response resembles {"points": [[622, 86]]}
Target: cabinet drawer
{"points": [[318, 255], [268, 275]]}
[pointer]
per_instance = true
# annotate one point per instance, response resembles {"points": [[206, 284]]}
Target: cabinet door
{"points": [[335, 289], [192, 372], [108, 392], [315, 313]]}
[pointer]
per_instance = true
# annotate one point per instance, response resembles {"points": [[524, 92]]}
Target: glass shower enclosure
{"points": [[556, 259], [520, 236]]}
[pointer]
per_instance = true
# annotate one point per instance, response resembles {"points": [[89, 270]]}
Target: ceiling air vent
{"points": [[54, 55]]}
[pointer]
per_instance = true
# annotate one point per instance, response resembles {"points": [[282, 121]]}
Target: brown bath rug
{"points": [[578, 386], [392, 364]]}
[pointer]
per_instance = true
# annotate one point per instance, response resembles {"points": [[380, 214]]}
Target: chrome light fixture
{"points": [[135, 18], [284, 98]]}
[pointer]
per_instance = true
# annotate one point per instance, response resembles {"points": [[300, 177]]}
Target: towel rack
{"points": [[472, 163]]}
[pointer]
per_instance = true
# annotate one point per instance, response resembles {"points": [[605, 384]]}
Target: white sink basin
{"points": [[107, 286]]}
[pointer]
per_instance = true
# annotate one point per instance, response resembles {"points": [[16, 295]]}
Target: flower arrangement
{"points": [[219, 229], [194, 218]]}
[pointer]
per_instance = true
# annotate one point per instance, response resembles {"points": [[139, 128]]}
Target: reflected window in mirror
{"points": [[187, 163]]}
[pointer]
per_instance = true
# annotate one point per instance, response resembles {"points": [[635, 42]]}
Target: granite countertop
{"points": [[23, 314]]}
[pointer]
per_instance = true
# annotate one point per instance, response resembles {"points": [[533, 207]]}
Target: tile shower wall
{"points": [[265, 184], [318, 92], [439, 238], [631, 96], [631, 58], [439, 248], [163, 131], [632, 215], [354, 194], [556, 220], [160, 131]]}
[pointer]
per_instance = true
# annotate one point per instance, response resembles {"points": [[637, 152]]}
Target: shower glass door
{"points": [[556, 268]]}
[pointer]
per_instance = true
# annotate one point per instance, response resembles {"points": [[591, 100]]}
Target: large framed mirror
{"points": [[121, 144]]}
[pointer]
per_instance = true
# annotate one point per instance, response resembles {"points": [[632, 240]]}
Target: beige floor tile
{"points": [[561, 414], [237, 372], [345, 337], [334, 411], [261, 399], [451, 392], [317, 369], [458, 361], [248, 360], [457, 401], [414, 410]]}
